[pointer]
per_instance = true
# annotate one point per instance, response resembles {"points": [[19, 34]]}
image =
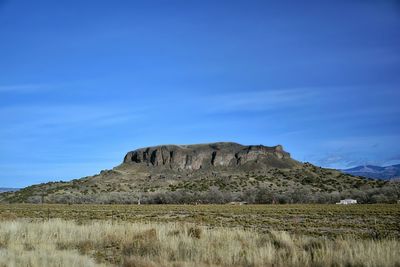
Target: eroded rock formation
{"points": [[194, 157]]}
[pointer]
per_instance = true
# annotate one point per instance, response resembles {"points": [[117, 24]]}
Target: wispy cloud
{"points": [[358, 150], [45, 87], [259, 100], [24, 88], [360, 142], [51, 118]]}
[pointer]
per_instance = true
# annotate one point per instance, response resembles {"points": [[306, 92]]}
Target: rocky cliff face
{"points": [[194, 157]]}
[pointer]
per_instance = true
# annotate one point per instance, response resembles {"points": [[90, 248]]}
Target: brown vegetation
{"points": [[96, 243], [361, 221]]}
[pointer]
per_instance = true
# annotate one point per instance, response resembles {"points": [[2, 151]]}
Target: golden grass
{"points": [[361, 221], [60, 242]]}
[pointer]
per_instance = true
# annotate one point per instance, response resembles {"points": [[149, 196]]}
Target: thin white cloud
{"points": [[360, 142], [259, 100], [23, 88], [49, 119], [357, 150]]}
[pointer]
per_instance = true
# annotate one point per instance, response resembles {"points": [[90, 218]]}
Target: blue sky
{"points": [[83, 82]]}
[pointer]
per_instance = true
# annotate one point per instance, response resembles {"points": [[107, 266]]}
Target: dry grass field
{"points": [[205, 235], [102, 243], [364, 221]]}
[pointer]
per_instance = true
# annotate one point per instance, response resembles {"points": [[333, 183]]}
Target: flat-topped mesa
{"points": [[195, 157]]}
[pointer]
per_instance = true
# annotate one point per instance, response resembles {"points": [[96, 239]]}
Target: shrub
{"points": [[194, 232]]}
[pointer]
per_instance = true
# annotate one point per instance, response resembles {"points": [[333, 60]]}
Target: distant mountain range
{"points": [[376, 172], [3, 189]]}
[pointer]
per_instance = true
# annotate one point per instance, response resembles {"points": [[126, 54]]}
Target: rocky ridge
{"points": [[194, 157]]}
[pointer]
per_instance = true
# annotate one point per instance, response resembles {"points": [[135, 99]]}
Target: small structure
{"points": [[347, 201], [238, 203]]}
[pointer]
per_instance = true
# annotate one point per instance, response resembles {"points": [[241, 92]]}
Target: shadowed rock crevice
{"points": [[214, 154]]}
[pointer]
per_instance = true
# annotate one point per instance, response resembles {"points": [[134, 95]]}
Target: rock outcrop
{"points": [[194, 157]]}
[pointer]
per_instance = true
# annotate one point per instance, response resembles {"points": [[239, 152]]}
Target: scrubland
{"points": [[205, 235], [59, 242], [361, 221]]}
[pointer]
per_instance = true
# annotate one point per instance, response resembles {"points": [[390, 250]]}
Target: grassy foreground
{"points": [[59, 242], [202, 235], [361, 221]]}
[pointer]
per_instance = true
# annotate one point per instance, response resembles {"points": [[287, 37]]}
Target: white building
{"points": [[347, 201]]}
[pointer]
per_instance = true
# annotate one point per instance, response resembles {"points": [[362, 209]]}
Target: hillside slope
{"points": [[206, 173]]}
